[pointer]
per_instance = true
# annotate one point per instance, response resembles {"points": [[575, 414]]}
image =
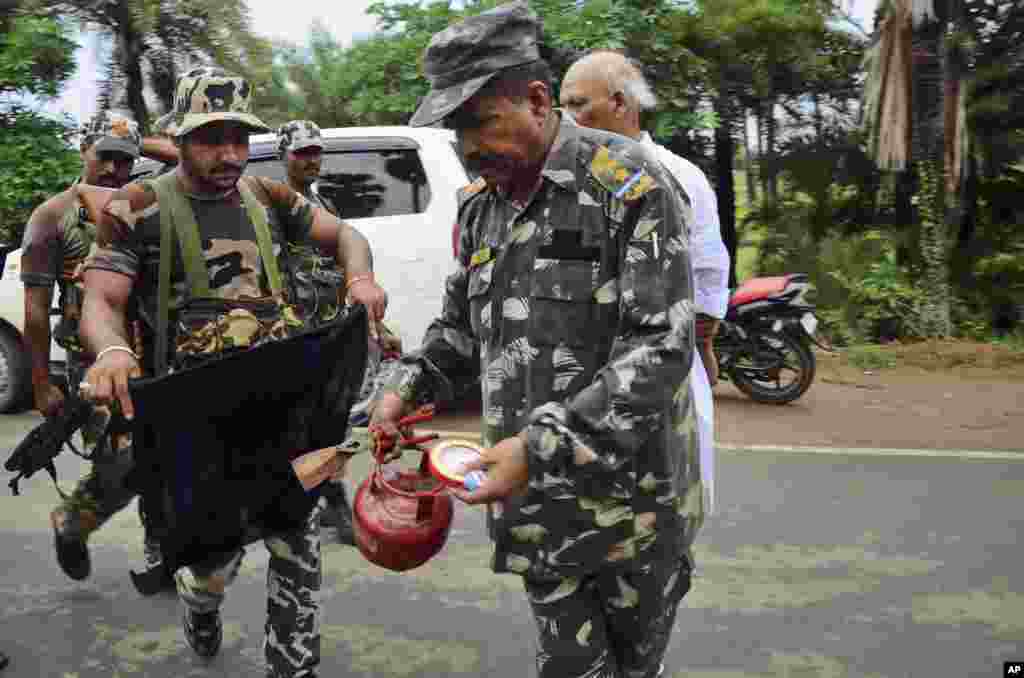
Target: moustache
{"points": [[478, 163]]}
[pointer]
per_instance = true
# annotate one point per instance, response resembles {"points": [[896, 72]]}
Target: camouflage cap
{"points": [[206, 95], [111, 132], [462, 58], [298, 134]]}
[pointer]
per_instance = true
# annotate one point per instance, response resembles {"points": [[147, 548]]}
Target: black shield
{"points": [[213, 444]]}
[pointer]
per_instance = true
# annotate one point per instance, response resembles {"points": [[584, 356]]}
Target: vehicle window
{"points": [[371, 183], [379, 183], [270, 168]]}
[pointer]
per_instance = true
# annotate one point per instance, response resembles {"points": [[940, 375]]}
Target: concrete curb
{"points": [[980, 455]]}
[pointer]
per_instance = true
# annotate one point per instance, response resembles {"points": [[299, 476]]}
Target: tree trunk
{"points": [[131, 50], [762, 171], [725, 187], [770, 165], [751, 175], [819, 119], [928, 147]]}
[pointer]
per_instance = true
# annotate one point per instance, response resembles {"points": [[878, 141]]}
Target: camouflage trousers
{"points": [[101, 493], [613, 624], [292, 643]]}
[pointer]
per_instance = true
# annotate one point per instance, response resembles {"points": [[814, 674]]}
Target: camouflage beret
{"points": [[298, 134], [206, 95], [462, 58], [112, 132]]}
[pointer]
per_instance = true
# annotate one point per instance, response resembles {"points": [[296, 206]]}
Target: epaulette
{"points": [[620, 175]]}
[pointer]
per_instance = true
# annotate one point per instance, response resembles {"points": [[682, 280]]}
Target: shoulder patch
{"points": [[475, 187], [469, 190], [619, 176]]}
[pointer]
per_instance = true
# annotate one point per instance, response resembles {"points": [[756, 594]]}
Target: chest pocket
{"points": [[563, 308], [479, 293]]}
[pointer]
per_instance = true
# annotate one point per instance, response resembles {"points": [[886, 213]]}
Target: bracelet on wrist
{"points": [[117, 348], [362, 277]]}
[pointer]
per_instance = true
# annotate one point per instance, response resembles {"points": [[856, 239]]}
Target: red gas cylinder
{"points": [[401, 517]]}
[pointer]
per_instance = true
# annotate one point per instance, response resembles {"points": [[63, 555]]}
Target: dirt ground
{"points": [[947, 396]]}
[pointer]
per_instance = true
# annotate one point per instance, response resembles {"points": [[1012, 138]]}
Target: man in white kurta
{"points": [[604, 90]]}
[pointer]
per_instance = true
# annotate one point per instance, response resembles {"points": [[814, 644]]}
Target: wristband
{"points": [[110, 349]]}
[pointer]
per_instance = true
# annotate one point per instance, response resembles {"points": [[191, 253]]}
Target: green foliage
{"points": [[35, 162], [882, 303], [989, 275], [36, 56], [667, 123]]}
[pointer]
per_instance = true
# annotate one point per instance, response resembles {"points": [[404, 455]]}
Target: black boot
{"points": [[338, 514], [154, 578], [204, 632]]}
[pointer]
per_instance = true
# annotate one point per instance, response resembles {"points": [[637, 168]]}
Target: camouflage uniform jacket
{"points": [[580, 304], [316, 280], [57, 240], [228, 241]]}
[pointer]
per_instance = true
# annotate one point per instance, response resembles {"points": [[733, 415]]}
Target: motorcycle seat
{"points": [[755, 289]]}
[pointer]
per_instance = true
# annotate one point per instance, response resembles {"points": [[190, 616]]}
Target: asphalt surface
{"points": [[815, 565]]}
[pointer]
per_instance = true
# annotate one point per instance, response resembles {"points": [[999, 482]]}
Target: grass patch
{"points": [[938, 356], [870, 357]]}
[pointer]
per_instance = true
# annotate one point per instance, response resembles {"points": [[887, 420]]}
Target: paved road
{"points": [[816, 566]]}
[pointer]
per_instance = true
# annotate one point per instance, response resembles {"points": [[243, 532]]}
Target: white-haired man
{"points": [[605, 90]]}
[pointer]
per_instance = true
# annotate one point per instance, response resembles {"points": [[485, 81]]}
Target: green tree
{"points": [[152, 40], [709, 63], [913, 102], [36, 57]]}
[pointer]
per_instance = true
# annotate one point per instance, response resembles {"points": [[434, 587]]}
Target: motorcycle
{"points": [[764, 343]]}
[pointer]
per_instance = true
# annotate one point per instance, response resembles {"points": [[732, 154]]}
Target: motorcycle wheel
{"points": [[796, 356]]}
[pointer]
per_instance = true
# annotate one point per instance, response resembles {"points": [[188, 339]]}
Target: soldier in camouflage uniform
{"points": [[316, 283], [57, 239], [573, 284], [241, 227]]}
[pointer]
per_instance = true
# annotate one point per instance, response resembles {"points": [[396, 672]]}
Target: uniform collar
{"points": [[561, 166]]}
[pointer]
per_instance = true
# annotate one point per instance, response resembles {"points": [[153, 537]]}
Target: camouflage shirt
{"points": [[228, 238], [580, 305], [57, 240], [317, 281]]}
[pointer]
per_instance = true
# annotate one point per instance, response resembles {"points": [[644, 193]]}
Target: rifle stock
{"points": [[41, 445]]}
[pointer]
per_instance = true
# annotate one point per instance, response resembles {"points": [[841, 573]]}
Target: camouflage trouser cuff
{"points": [[202, 589]]}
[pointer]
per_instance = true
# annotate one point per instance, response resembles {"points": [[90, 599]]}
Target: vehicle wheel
{"points": [[787, 355], [14, 374]]}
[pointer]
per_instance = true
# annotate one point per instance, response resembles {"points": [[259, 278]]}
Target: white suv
{"points": [[396, 185]]}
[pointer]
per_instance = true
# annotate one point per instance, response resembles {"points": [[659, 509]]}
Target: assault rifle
{"points": [[43, 443]]}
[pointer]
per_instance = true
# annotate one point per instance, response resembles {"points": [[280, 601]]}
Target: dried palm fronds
{"points": [[887, 91]]}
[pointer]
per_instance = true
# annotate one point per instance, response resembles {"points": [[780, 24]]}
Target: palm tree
{"points": [[913, 108], [154, 39]]}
